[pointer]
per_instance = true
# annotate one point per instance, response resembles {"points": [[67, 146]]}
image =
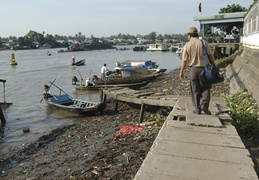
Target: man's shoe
{"points": [[197, 111], [206, 111]]}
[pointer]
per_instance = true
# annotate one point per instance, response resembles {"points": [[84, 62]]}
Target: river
{"points": [[24, 86]]}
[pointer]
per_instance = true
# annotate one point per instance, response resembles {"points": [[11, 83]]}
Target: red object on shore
{"points": [[128, 130]]}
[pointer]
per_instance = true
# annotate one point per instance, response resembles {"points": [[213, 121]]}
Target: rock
{"points": [[26, 130]]}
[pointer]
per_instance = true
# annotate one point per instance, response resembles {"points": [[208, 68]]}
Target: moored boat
{"points": [[4, 104], [150, 65], [97, 87], [127, 80], [130, 72], [67, 103]]}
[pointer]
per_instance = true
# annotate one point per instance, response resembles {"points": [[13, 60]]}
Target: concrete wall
{"points": [[244, 72], [251, 27]]}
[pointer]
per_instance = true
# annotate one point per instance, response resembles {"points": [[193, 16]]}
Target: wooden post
{"points": [[116, 105], [102, 96], [141, 112], [3, 120]]}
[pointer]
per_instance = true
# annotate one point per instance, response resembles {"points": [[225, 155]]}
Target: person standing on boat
{"points": [[104, 70], [192, 54], [88, 82]]}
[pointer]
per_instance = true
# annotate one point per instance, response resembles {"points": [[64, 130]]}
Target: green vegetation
{"points": [[231, 9], [156, 120], [244, 112], [217, 33], [243, 109], [225, 61]]}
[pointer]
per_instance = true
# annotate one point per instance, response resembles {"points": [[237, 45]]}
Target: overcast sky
{"points": [[103, 18]]}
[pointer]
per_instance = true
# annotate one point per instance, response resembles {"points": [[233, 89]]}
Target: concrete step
{"points": [[182, 152], [192, 147]]}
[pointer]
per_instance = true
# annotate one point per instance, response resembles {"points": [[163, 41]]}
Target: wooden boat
{"points": [[67, 103], [97, 87], [128, 80], [4, 104], [150, 65], [79, 63]]}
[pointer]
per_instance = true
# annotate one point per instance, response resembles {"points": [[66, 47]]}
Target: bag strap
{"points": [[204, 53]]}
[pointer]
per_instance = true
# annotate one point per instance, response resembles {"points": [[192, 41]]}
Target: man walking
{"points": [[192, 54]]}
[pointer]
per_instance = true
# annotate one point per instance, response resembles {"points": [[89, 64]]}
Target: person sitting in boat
{"points": [[104, 70], [73, 60], [47, 93], [88, 82], [74, 80], [95, 78]]}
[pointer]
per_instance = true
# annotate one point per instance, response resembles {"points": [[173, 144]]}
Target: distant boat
{"points": [[78, 63], [179, 51], [173, 48], [45, 46], [120, 49], [158, 47], [48, 53]]}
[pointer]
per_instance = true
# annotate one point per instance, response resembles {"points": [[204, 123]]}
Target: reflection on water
{"points": [[24, 86]]}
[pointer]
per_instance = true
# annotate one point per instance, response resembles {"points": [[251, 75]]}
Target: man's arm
{"points": [[182, 69], [212, 59]]}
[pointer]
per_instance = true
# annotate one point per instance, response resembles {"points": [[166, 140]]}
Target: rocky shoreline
{"points": [[95, 147]]}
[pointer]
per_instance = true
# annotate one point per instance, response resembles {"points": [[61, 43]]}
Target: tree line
{"points": [[42, 38]]}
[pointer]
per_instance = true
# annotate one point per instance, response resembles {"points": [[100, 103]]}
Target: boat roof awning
{"points": [[223, 18]]}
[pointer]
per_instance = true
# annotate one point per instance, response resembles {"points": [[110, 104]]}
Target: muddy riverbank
{"points": [[107, 146]]}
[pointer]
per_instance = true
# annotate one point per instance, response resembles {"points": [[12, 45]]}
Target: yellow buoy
{"points": [[13, 62]]}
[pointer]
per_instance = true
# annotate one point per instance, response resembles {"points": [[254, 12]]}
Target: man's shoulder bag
{"points": [[211, 74]]}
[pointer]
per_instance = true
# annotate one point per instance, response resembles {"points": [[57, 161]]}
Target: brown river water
{"points": [[24, 86]]}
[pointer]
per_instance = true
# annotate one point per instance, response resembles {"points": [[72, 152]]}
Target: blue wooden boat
{"points": [[67, 103]]}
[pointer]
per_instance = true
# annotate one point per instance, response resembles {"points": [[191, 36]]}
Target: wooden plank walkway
{"points": [[138, 97], [191, 146]]}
